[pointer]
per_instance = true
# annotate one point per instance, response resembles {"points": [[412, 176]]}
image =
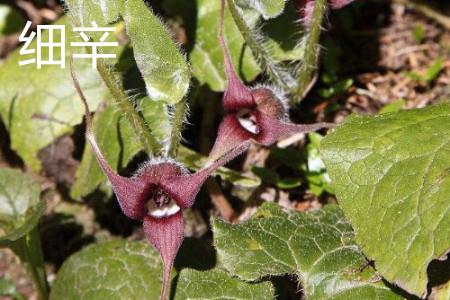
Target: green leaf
{"points": [[7, 288], [289, 183], [83, 12], [207, 56], [268, 176], [267, 8], [10, 20], [39, 105], [112, 133], [163, 67], [195, 161], [335, 88], [431, 73], [20, 205], [419, 32], [318, 247], [391, 176], [394, 106], [216, 284], [111, 270]]}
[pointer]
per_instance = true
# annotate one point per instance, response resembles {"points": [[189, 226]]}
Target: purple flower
{"points": [[257, 114], [156, 195]]}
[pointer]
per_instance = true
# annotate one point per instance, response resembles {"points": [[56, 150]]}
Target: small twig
{"points": [[427, 10], [226, 211], [411, 49]]}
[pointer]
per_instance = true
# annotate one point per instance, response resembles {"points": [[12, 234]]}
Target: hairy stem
{"points": [[29, 250], [177, 126], [255, 41], [312, 50], [148, 141]]}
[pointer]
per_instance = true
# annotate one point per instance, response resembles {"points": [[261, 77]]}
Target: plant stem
{"points": [[256, 41], [29, 250], [148, 141], [312, 50], [177, 126]]}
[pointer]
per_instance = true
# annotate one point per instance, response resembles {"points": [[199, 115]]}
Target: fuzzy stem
{"points": [[29, 250], [256, 44], [177, 126], [312, 50], [148, 141]]}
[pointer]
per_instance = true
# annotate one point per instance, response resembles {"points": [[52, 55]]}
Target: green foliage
{"points": [[391, 176], [206, 55], [430, 74], [267, 8], [7, 288], [110, 270], [160, 62], [163, 67], [335, 88], [394, 106], [20, 205], [271, 177], [39, 105], [20, 210], [316, 173], [10, 20], [318, 247], [195, 161], [419, 32], [217, 284], [111, 132], [201, 17]]}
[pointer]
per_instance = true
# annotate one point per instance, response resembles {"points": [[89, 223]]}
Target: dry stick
{"points": [[427, 10], [261, 53], [312, 50]]}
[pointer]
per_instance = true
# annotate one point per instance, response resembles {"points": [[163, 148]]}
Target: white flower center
{"points": [[248, 121], [162, 207]]}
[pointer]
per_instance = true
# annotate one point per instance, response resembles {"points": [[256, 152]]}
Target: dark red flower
{"points": [[157, 195], [259, 114], [306, 7]]}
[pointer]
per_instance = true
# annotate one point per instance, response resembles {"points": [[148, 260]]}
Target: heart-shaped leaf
{"points": [[391, 175], [110, 270], [318, 247], [20, 205], [217, 284]]}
